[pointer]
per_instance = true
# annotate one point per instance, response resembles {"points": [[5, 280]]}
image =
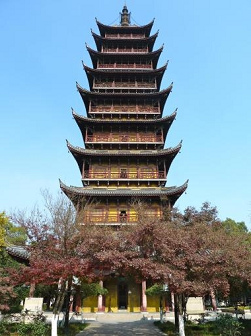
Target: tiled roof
{"points": [[18, 251], [167, 191], [105, 28], [120, 152]]}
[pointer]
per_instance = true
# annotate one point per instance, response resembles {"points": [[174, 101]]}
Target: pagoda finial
{"points": [[125, 17]]}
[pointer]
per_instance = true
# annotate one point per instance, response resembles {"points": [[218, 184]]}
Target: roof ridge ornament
{"points": [[125, 17]]}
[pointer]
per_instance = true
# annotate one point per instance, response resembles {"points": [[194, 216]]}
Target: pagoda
{"points": [[124, 155]]}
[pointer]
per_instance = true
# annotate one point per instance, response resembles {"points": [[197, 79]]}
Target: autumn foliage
{"points": [[193, 253]]}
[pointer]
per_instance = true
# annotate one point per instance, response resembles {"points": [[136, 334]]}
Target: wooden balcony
{"points": [[125, 175], [118, 109], [124, 66], [124, 36], [125, 50], [116, 219], [120, 138], [122, 85]]}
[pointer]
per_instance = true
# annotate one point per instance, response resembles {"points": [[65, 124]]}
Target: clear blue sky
{"points": [[208, 45]]}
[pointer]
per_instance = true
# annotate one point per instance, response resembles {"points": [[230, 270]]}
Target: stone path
{"points": [[133, 328]]}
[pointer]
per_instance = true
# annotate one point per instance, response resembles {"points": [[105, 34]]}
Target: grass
{"points": [[207, 329]]}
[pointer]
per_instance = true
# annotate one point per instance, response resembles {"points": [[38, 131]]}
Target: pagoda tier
{"points": [[121, 30], [100, 79], [122, 44], [127, 60], [136, 133], [79, 194], [124, 167], [112, 103]]}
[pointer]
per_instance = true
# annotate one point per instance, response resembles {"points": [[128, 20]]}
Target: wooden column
{"points": [[144, 299]]}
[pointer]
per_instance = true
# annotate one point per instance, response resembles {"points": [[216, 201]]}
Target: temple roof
{"points": [[154, 56], [18, 252], [126, 73], [103, 29], [82, 120], [80, 154], [77, 194], [147, 41], [138, 153], [160, 96], [165, 122]]}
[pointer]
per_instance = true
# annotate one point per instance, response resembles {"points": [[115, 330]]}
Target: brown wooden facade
{"points": [[124, 135]]}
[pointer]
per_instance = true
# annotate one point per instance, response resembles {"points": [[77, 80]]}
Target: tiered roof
{"points": [[123, 55]]}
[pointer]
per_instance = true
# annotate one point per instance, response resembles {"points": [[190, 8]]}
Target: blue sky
{"points": [[208, 45]]}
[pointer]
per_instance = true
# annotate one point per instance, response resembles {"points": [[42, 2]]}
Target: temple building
{"points": [[124, 155]]}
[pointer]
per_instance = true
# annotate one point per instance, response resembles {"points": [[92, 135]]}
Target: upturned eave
{"points": [[79, 195], [149, 41], [81, 154], [95, 55], [87, 95], [104, 29]]}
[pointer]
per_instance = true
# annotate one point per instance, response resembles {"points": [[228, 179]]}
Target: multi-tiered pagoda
{"points": [[124, 135]]}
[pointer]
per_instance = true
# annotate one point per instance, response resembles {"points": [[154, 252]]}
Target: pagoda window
{"points": [[123, 173], [123, 216]]}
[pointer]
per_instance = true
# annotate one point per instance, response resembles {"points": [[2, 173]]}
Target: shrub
{"points": [[3, 327], [33, 329], [228, 326]]}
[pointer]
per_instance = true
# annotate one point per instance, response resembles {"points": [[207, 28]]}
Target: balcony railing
{"points": [[113, 137], [117, 175], [125, 66], [125, 50], [124, 109], [116, 218], [125, 36], [130, 85]]}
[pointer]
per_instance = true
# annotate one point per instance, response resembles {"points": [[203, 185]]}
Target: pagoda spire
{"points": [[125, 17]]}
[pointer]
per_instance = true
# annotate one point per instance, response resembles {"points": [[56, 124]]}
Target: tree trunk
{"points": [[67, 303], [176, 312], [179, 309], [181, 325], [213, 299], [54, 325], [60, 299], [32, 290]]}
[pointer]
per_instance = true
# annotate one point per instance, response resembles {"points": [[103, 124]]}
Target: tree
{"points": [[61, 248], [233, 226], [192, 253], [9, 235]]}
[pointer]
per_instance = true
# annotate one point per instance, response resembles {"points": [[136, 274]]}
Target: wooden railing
{"points": [[113, 137], [115, 175], [116, 218], [125, 66], [125, 36], [107, 219], [124, 85], [124, 109], [125, 50]]}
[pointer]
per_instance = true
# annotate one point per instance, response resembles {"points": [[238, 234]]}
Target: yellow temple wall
{"points": [[111, 299]]}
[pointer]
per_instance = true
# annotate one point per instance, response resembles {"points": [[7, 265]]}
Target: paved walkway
{"points": [[133, 328]]}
